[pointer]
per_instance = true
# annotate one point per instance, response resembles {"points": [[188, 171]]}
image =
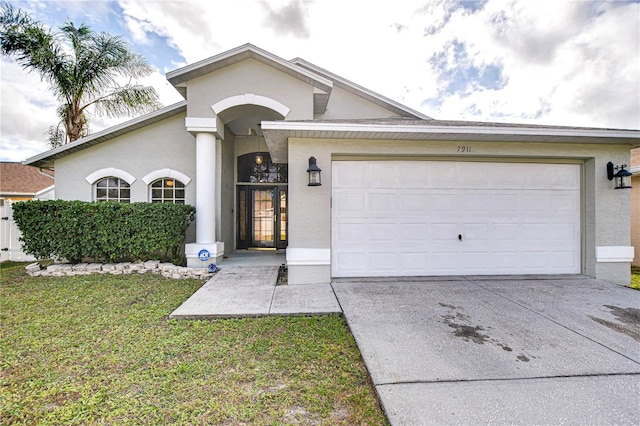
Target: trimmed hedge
{"points": [[104, 231]]}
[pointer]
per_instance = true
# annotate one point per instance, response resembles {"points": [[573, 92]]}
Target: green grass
{"points": [[99, 349], [635, 277]]}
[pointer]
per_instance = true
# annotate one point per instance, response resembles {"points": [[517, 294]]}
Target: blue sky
{"points": [[574, 63]]}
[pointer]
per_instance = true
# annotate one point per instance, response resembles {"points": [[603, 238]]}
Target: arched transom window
{"points": [[112, 189], [167, 190]]}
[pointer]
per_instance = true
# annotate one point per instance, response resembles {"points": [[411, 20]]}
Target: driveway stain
{"points": [[628, 321], [464, 329], [468, 332]]}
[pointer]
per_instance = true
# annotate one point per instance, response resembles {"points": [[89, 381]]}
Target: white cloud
{"points": [[27, 109], [576, 66]]}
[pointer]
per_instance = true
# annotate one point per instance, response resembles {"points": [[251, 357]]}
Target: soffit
{"points": [[277, 133]]}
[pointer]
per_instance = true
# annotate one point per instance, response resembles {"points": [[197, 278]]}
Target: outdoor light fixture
{"points": [[314, 173], [621, 175], [259, 158]]}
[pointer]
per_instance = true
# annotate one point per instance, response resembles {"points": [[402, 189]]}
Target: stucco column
{"points": [[208, 133], [206, 187]]}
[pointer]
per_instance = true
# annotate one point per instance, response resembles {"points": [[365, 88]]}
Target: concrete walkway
{"points": [[246, 287]]}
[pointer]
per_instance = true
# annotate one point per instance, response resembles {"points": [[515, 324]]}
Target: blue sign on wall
{"points": [[204, 255]]}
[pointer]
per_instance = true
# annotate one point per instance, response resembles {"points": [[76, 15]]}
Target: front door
{"points": [[262, 217]]}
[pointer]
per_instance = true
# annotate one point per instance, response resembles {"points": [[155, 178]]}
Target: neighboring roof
{"points": [[180, 76], [18, 179], [363, 92], [47, 158], [278, 132]]}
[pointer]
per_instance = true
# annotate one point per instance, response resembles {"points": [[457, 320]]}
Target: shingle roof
{"points": [[404, 121], [16, 178]]}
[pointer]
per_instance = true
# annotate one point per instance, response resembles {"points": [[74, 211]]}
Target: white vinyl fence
{"points": [[10, 247]]}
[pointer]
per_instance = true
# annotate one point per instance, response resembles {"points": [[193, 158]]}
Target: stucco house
{"points": [[282, 154]]}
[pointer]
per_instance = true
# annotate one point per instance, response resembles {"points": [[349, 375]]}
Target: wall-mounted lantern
{"points": [[314, 173], [620, 174], [259, 158]]}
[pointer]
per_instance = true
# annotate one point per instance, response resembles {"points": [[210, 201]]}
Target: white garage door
{"points": [[420, 218]]}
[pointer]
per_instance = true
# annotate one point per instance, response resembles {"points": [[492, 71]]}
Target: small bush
{"points": [[103, 232]]}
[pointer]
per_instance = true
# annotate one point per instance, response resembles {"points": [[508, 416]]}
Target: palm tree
{"points": [[83, 68]]}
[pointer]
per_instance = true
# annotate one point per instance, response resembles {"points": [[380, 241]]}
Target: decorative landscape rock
{"points": [[167, 270]]}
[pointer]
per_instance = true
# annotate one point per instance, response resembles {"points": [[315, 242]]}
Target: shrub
{"points": [[105, 231]]}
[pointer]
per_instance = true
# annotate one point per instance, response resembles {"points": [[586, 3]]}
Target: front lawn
{"points": [[635, 277], [99, 349]]}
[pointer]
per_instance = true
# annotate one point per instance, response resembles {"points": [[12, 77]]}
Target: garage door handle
{"points": [[460, 237]]}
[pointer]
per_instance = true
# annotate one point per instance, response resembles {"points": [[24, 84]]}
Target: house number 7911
{"points": [[464, 148]]}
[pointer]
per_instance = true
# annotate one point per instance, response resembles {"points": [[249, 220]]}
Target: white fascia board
{"points": [[390, 128], [635, 170]]}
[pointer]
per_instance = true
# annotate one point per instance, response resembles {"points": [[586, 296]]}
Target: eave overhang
{"points": [[277, 133]]}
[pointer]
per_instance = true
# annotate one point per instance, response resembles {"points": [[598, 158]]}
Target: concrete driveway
{"points": [[478, 350]]}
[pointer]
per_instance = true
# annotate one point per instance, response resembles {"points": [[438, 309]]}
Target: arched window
{"points": [[167, 190], [112, 189], [265, 172]]}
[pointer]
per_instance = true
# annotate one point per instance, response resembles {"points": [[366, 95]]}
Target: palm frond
{"points": [[129, 100]]}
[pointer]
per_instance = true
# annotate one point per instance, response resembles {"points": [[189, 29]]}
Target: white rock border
{"points": [[167, 270]]}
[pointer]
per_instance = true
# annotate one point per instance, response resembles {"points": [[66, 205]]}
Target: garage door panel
{"points": [[411, 232], [412, 264], [565, 262], [443, 232], [513, 218], [350, 232], [505, 204], [565, 203], [475, 231], [352, 264], [501, 232], [356, 175], [412, 172], [382, 232], [381, 264], [380, 202], [564, 233], [414, 203], [442, 203], [349, 203]]}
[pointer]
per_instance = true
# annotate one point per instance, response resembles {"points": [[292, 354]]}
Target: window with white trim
{"points": [[112, 189], [167, 190]]}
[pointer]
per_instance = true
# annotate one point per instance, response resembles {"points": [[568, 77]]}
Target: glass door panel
{"points": [[263, 217], [283, 219]]}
